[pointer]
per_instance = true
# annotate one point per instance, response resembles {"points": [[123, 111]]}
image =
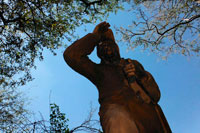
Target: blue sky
{"points": [[178, 79]]}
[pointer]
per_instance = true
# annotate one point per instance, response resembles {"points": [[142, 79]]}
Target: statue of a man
{"points": [[128, 95]]}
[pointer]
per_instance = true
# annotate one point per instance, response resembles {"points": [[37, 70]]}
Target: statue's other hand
{"points": [[129, 70], [101, 28]]}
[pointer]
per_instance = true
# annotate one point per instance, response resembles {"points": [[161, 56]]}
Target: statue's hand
{"points": [[101, 28], [129, 70]]}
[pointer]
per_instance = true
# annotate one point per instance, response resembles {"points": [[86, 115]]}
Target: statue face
{"points": [[108, 51]]}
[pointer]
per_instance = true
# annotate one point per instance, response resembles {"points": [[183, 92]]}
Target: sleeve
{"points": [[146, 80], [76, 56]]}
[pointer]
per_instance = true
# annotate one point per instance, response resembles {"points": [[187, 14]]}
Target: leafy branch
{"points": [[164, 26], [28, 27]]}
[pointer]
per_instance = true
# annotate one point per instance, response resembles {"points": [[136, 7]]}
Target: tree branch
{"points": [[6, 21], [88, 124], [91, 3], [182, 23], [88, 4]]}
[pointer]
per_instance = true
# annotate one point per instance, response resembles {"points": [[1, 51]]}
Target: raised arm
{"points": [[76, 55]]}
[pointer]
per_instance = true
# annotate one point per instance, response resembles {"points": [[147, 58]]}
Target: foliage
{"points": [[12, 109], [57, 123], [27, 27], [165, 27], [57, 120]]}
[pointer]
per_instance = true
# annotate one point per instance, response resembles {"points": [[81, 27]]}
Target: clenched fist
{"points": [[129, 69], [103, 32]]}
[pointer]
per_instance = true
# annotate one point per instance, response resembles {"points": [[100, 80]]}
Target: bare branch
{"points": [[88, 124], [182, 23], [162, 25]]}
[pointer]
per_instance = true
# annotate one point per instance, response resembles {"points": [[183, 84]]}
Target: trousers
{"points": [[117, 120]]}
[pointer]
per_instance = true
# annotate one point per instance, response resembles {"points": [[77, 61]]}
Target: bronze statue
{"points": [[128, 95]]}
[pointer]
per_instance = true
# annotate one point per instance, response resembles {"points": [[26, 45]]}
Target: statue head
{"points": [[107, 49]]}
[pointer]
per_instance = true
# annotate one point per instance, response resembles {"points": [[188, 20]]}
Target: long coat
{"points": [[119, 105]]}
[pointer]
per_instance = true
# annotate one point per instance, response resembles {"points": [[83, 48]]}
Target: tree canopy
{"points": [[165, 27], [14, 115], [27, 27]]}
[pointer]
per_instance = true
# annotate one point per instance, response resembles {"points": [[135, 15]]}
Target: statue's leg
{"points": [[116, 120]]}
